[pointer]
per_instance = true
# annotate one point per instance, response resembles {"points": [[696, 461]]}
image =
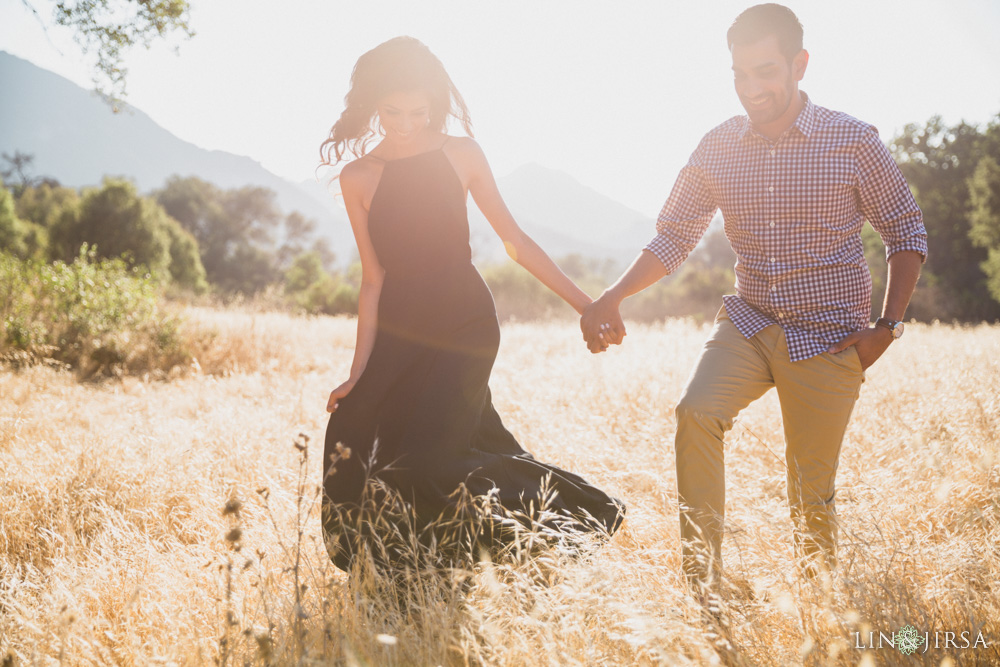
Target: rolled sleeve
{"points": [[886, 200], [684, 218]]}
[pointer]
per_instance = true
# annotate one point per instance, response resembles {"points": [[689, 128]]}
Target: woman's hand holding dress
{"points": [[338, 393]]}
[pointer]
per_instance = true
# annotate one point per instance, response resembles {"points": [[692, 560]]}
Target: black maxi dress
{"points": [[420, 421]]}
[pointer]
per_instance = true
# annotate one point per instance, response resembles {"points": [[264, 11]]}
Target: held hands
{"points": [[870, 343], [602, 324], [339, 393]]}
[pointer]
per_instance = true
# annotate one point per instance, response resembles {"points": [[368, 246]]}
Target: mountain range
{"points": [[76, 139]]}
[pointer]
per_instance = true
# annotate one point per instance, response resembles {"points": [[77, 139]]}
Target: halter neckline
{"points": [[407, 157]]}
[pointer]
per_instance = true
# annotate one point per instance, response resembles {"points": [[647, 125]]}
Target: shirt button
{"points": [[771, 225], [781, 315], [772, 260], [772, 152], [771, 189], [773, 288]]}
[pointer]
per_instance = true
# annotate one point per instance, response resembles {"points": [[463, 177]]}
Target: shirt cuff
{"points": [[915, 244], [667, 252]]}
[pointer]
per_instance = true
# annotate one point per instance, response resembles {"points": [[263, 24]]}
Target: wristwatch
{"points": [[894, 326]]}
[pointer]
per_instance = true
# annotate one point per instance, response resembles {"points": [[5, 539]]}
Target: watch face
{"points": [[894, 327]]}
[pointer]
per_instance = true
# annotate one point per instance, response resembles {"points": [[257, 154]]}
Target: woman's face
{"points": [[404, 116]]}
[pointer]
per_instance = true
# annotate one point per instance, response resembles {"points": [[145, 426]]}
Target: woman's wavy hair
{"points": [[403, 64]]}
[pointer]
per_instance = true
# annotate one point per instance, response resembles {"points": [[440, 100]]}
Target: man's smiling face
{"points": [[767, 83]]}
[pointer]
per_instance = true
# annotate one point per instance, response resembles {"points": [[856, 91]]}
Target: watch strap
{"points": [[892, 325]]}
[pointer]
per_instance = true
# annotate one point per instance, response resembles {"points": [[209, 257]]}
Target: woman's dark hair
{"points": [[761, 21], [403, 64]]}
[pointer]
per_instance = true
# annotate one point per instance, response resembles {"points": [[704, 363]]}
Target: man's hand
{"points": [[871, 343], [602, 324], [904, 269]]}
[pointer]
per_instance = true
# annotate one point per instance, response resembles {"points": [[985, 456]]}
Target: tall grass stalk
{"points": [[113, 491]]}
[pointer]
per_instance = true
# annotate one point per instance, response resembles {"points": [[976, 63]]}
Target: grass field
{"points": [[114, 548]]}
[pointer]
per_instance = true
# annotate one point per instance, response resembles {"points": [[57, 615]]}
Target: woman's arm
{"points": [[521, 247], [372, 274]]}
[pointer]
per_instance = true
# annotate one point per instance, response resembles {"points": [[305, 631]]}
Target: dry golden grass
{"points": [[113, 544]]}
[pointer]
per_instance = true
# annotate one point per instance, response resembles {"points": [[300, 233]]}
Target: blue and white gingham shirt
{"points": [[793, 213]]}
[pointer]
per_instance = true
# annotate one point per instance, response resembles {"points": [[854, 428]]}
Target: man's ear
{"points": [[799, 64]]}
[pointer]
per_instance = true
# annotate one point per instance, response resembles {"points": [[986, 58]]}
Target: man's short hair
{"points": [[761, 21]]}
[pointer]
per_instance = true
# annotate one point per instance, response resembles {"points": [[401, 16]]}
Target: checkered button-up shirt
{"points": [[793, 212]]}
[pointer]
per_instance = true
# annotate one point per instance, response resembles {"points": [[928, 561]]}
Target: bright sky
{"points": [[616, 94]]}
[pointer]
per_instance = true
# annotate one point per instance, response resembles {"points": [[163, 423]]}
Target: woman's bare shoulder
{"points": [[467, 156], [463, 146], [358, 170], [358, 174]]}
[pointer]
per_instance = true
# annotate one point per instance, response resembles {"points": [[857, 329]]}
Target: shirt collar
{"points": [[805, 123]]}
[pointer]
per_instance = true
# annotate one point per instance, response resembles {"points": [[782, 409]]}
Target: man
{"points": [[795, 183]]}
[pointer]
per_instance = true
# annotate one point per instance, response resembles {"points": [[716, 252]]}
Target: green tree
{"points": [[194, 203], [938, 162], [44, 203], [984, 216], [879, 269], [298, 230], [519, 295], [305, 270], [186, 269], [696, 288], [234, 230], [330, 295], [322, 248], [11, 228], [108, 29], [19, 168], [19, 237], [249, 270], [120, 223], [315, 290]]}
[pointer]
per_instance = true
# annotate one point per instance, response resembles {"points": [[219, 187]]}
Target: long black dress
{"points": [[420, 422]]}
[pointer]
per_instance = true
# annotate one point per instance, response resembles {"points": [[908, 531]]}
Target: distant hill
{"points": [[565, 216], [76, 139]]}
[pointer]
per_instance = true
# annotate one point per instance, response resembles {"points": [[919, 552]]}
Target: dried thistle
{"points": [[232, 507]]}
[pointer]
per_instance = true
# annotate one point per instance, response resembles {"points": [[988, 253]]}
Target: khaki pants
{"points": [[817, 396]]}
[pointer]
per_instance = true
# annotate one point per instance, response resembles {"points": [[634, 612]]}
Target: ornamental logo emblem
{"points": [[908, 640]]}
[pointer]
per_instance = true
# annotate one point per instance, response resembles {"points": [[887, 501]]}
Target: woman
{"points": [[414, 421]]}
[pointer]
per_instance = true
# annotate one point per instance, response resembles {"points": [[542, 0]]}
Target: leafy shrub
{"points": [[330, 296], [45, 203], [186, 269], [519, 295], [17, 236], [234, 230], [97, 316], [695, 290], [316, 291], [121, 223]]}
